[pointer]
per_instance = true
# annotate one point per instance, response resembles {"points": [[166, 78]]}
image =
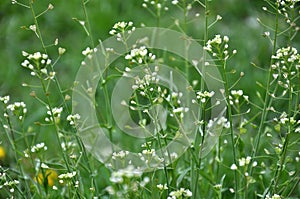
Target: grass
{"points": [[231, 133]]}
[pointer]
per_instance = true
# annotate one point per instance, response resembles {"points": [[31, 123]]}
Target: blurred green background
{"points": [[239, 23]]}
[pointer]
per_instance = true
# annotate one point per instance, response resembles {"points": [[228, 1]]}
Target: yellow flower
{"points": [[51, 176], [2, 153]]}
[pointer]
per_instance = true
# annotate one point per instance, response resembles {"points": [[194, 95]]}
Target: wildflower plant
{"points": [[155, 112]]}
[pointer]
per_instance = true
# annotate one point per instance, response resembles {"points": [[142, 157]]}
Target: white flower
{"points": [[73, 118], [162, 187], [67, 175], [61, 51], [33, 28], [37, 56], [87, 51], [50, 6], [5, 99], [226, 39], [81, 23], [179, 193], [188, 193], [175, 2], [244, 161], [39, 147], [120, 154], [267, 34], [219, 17], [44, 166], [233, 167], [275, 196]]}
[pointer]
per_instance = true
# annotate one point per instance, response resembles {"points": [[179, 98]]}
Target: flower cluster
{"points": [[37, 63], [120, 154], [18, 109], [203, 97], [285, 120], [162, 187], [244, 161], [180, 193], [56, 111], [35, 149], [158, 5], [38, 147], [275, 196], [184, 5], [287, 2], [284, 7], [149, 155], [120, 175], [220, 122], [286, 66], [125, 181], [140, 55], [218, 46], [174, 99], [148, 87], [235, 96], [88, 52], [120, 28], [5, 99], [66, 146], [73, 118], [6, 182], [66, 176]]}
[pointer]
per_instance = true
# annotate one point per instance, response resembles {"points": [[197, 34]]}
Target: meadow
{"points": [[150, 99]]}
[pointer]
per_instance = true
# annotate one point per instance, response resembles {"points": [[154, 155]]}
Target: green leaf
{"points": [[181, 176]]}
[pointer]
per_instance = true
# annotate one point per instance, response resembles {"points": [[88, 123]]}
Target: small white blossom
{"points": [[67, 175], [38, 147], [233, 167], [175, 2], [162, 187], [61, 51], [5, 99], [73, 118]]}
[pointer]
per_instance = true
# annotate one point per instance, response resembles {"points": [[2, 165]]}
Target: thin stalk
{"points": [[267, 99], [229, 113], [12, 141], [37, 26], [87, 22], [40, 37], [290, 110], [90, 35], [64, 156], [202, 111]]}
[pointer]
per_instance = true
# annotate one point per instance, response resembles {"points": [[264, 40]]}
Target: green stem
{"points": [[64, 156], [202, 111], [229, 113], [12, 141], [37, 25], [267, 99]]}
